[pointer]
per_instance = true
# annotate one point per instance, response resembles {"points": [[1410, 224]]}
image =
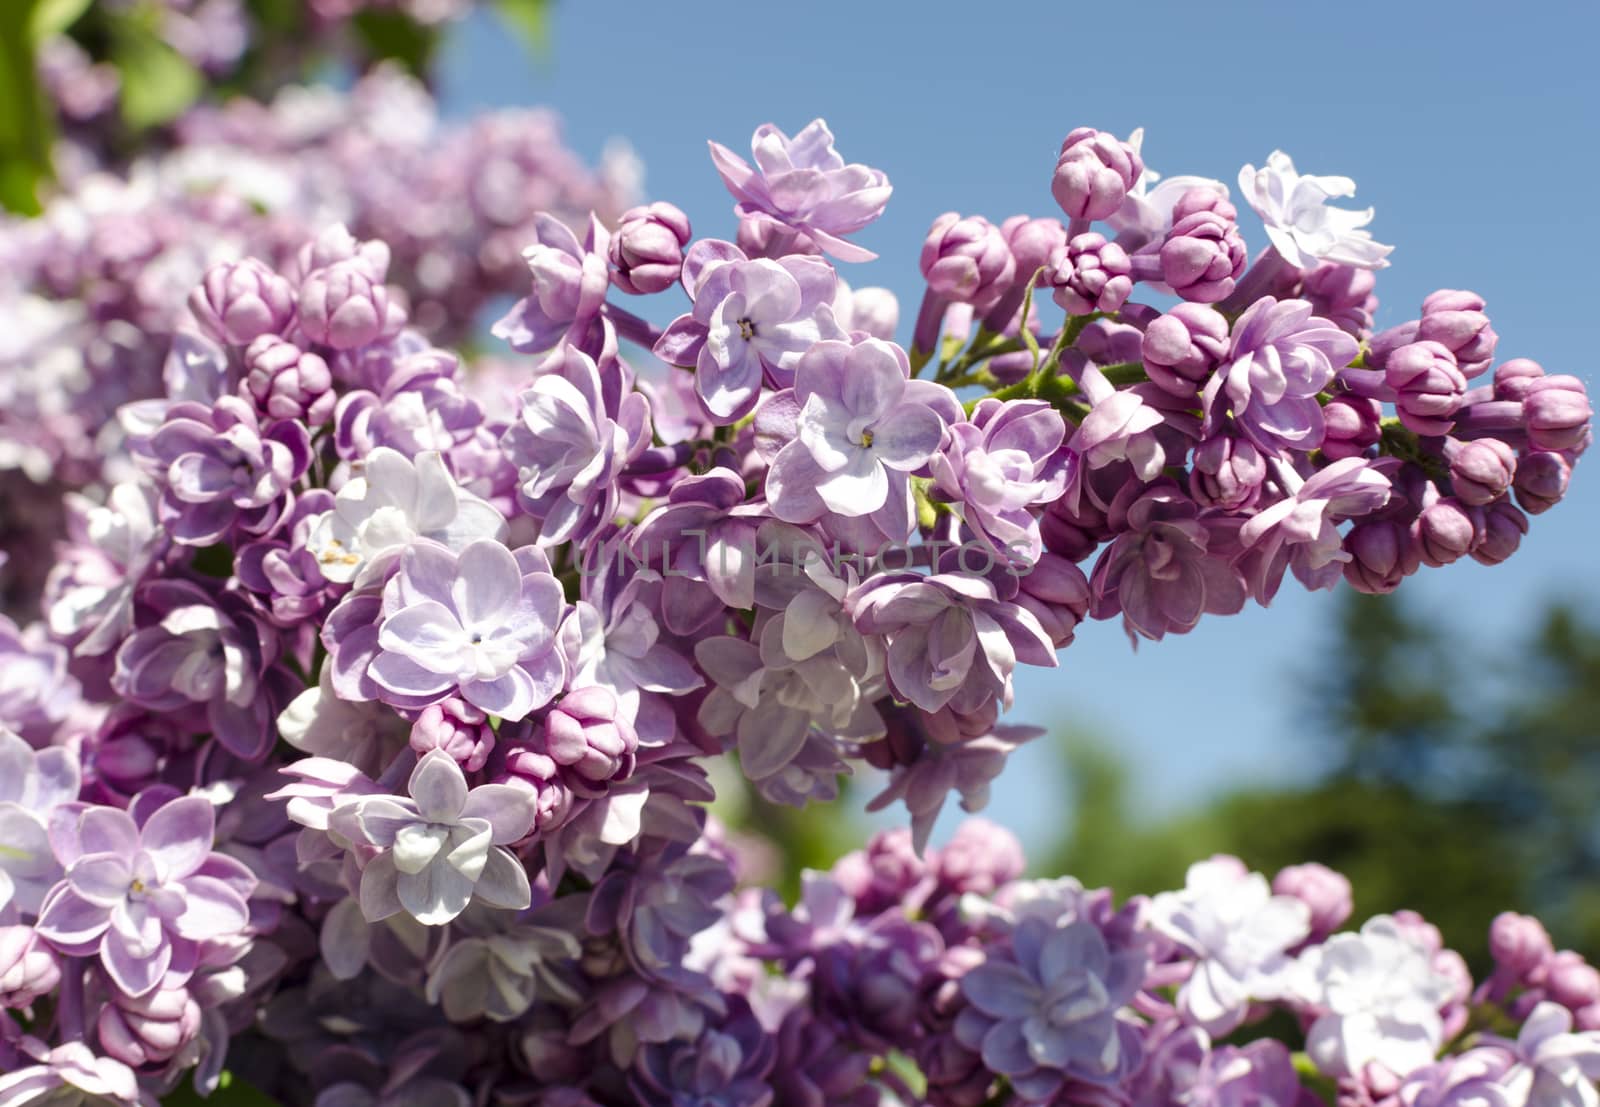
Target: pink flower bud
{"points": [[242, 300], [1446, 532], [1541, 480], [1518, 943], [1428, 386], [343, 307], [1382, 554], [29, 968], [1320, 888], [646, 253], [1093, 174], [1353, 425], [1455, 320], [1558, 413], [287, 383], [1482, 470]]}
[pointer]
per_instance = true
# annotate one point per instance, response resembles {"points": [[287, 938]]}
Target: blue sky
{"points": [[1472, 128]]}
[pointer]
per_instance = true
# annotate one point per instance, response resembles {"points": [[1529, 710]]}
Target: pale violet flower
{"points": [[92, 588], [393, 502], [481, 624], [863, 426], [495, 973], [1379, 996], [1555, 1067], [441, 848], [32, 785], [1238, 932], [365, 734], [1301, 224], [70, 1075]]}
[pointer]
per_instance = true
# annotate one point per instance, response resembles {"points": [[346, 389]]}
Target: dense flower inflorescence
{"points": [[360, 750]]}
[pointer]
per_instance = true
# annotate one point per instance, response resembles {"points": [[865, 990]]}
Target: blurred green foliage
{"points": [[1463, 783], [158, 83]]}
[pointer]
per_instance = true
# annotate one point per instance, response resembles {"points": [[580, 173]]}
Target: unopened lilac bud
{"points": [[1342, 294], [1513, 378], [1320, 888], [151, 1029], [1557, 412], [1446, 531], [1184, 346], [1227, 473], [1541, 480], [966, 260], [979, 858], [1455, 319], [1091, 275], [1203, 256], [537, 771], [1093, 174], [239, 301], [1481, 470], [587, 734], [127, 763], [1354, 424], [1428, 387], [1057, 593], [335, 244], [1033, 244], [646, 252], [1075, 534], [1203, 198], [1518, 943], [286, 382], [457, 728], [1382, 554], [343, 307], [1570, 980], [1503, 529], [29, 968], [1586, 1018]]}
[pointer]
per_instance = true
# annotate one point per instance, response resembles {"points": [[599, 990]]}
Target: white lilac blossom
{"points": [[1300, 223], [440, 849], [1554, 1066], [1378, 997], [1240, 934], [394, 501], [366, 726]]}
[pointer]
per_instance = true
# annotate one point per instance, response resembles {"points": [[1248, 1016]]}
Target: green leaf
{"points": [[52, 17], [25, 134], [397, 37], [158, 83], [531, 20]]}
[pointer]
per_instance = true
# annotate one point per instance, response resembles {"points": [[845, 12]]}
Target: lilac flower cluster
{"points": [[94, 287], [363, 741]]}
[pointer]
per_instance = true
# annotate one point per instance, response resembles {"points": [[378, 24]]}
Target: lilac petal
{"points": [[108, 830], [1005, 1050], [377, 819], [55, 780], [507, 809], [345, 940], [178, 837], [101, 878], [380, 889], [69, 920], [873, 382], [488, 583], [135, 972], [212, 910], [436, 895], [680, 344], [907, 436], [770, 737], [427, 570], [511, 697], [504, 882], [404, 677], [1001, 989], [427, 633], [439, 788], [24, 844]]}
